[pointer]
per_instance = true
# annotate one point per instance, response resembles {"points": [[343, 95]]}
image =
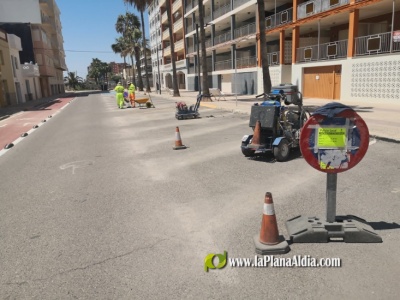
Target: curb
{"points": [[4, 117], [385, 139]]}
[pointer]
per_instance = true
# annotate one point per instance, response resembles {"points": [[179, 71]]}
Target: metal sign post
{"points": [[333, 140]]}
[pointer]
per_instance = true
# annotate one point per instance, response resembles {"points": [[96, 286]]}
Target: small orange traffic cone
{"points": [[178, 140], [255, 142], [269, 241]]}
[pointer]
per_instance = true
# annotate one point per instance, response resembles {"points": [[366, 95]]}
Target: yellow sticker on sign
{"points": [[331, 137]]}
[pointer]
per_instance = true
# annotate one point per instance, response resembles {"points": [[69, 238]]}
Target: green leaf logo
{"points": [[209, 261]]}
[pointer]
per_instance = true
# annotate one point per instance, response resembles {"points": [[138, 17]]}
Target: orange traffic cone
{"points": [[178, 140], [269, 241], [255, 142]]}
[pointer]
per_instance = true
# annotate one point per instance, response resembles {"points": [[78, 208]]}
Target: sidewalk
{"points": [[382, 118], [7, 111]]}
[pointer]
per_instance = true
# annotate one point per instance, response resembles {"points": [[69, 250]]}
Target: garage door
{"points": [[322, 82]]}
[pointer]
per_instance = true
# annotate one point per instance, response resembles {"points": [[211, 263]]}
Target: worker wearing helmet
{"points": [[120, 95], [132, 90]]}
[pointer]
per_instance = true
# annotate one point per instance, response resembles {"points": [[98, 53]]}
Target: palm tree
{"points": [[98, 70], [141, 7], [126, 25], [206, 90], [72, 80], [263, 47], [136, 40], [171, 43], [121, 47]]}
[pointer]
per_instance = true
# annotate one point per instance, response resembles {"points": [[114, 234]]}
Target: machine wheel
{"points": [[282, 151], [180, 118], [247, 152]]}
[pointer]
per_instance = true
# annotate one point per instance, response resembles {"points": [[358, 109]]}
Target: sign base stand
{"points": [[348, 229]]}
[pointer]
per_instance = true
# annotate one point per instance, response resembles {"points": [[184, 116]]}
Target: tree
{"points": [[72, 80], [206, 90], [128, 25], [98, 70], [171, 42], [121, 47], [141, 7], [263, 47], [136, 38]]}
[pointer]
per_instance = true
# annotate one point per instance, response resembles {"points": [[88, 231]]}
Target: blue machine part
{"points": [[271, 103], [277, 141]]}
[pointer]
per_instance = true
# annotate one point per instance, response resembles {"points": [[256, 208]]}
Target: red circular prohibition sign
{"points": [[354, 154]]}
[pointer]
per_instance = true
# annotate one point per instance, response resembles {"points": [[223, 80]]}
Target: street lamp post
{"points": [[198, 59], [158, 75]]}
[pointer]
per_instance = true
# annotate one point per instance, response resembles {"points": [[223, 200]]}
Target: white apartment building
{"points": [[332, 49]]}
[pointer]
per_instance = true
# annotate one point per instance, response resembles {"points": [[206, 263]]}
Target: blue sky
{"points": [[89, 25]]}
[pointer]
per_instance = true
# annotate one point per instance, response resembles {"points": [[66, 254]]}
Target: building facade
{"points": [[331, 49], [37, 24]]}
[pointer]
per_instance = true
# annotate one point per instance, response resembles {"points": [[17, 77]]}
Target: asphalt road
{"points": [[97, 205]]}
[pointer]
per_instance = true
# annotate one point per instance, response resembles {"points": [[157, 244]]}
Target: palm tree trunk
{"points": [[171, 42], [133, 72], [139, 69], [206, 90], [144, 54], [263, 47]]}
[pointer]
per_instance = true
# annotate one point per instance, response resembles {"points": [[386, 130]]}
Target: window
{"points": [[333, 2], [374, 44], [268, 22], [1, 58], [332, 50], [284, 17], [274, 58], [308, 53], [310, 8]]}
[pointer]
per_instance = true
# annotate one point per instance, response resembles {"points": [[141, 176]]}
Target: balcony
{"points": [[176, 5], [208, 43], [246, 62], [375, 44], [316, 6], [165, 34], [49, 24], [245, 30], [167, 51], [326, 51], [190, 28], [190, 5], [283, 17], [46, 6], [180, 63], [237, 3], [178, 25], [46, 71], [223, 65], [179, 45], [222, 38], [30, 70], [164, 17], [222, 9], [190, 49]]}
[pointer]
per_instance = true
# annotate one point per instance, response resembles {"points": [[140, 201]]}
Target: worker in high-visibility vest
{"points": [[120, 95], [132, 90]]}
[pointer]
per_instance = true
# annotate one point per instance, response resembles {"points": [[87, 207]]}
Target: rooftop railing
{"points": [[223, 9]]}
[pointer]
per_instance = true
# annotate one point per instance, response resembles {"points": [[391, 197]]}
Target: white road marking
{"points": [[3, 125], [77, 164]]}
